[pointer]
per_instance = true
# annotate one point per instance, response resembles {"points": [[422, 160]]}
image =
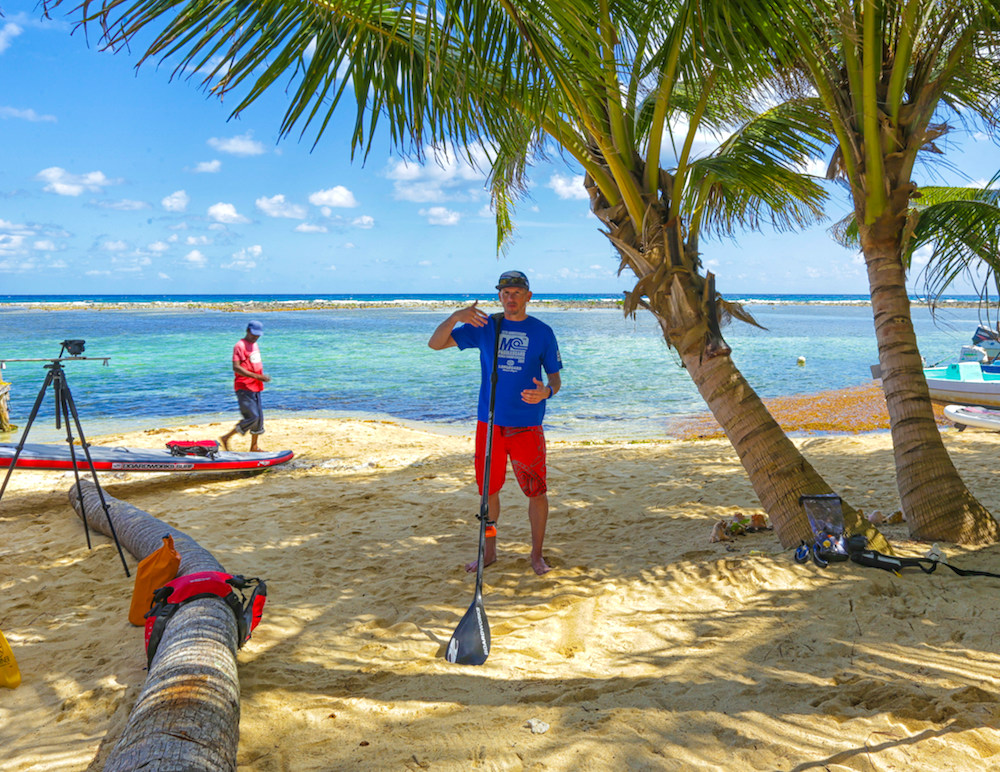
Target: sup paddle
{"points": [[470, 643]]}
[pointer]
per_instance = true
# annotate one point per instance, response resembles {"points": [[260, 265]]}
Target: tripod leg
{"points": [[27, 428], [61, 411], [67, 402]]}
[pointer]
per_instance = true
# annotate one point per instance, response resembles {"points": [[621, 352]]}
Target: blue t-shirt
{"points": [[526, 348]]}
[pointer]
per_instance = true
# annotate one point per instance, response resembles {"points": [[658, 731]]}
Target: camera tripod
{"points": [[64, 408]]}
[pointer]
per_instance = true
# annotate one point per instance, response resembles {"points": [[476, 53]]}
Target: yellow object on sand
{"points": [[10, 675]]}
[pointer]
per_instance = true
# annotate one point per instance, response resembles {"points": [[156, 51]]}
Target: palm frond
{"points": [[757, 175]]}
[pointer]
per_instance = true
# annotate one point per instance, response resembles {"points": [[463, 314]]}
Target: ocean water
{"points": [[168, 359]]}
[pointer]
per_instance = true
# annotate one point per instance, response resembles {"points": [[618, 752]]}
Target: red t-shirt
{"points": [[247, 356]]}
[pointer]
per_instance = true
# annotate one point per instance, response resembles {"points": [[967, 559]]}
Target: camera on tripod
{"points": [[65, 408], [74, 347]]}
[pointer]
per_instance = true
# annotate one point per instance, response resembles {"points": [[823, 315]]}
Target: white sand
{"points": [[647, 647]]}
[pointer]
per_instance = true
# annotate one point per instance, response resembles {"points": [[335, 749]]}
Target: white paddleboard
{"points": [[971, 415]]}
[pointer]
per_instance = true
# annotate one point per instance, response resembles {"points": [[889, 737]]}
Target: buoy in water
{"points": [[801, 361]]}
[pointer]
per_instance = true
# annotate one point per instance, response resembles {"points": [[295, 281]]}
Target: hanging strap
{"points": [[875, 559]]}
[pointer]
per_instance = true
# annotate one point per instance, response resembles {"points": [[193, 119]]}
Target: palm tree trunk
{"points": [[936, 502], [778, 472], [684, 304], [187, 715]]}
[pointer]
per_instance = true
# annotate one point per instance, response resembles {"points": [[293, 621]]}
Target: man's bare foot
{"points": [[224, 442], [489, 555], [257, 450], [540, 566], [472, 566]]}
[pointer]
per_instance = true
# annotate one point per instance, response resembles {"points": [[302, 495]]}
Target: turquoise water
{"points": [[170, 365]]}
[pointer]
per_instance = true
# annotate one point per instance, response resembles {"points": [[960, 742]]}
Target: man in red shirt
{"points": [[249, 381]]}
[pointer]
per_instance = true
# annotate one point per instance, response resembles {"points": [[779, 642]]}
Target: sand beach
{"points": [[646, 647]]}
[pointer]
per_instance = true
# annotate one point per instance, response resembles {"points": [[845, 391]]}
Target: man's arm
{"points": [[246, 373], [542, 390], [241, 370], [555, 383], [441, 337]]}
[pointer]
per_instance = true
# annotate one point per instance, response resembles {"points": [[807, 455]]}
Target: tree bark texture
{"points": [[684, 303], [937, 503], [778, 471], [187, 714]]}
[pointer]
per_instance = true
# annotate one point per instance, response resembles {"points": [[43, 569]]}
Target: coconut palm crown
{"points": [[890, 74]]}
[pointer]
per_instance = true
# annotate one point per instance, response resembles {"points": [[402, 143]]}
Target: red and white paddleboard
{"points": [[114, 459]]}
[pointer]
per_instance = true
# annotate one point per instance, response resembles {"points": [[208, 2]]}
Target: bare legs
{"points": [[490, 548], [538, 516], [225, 438]]}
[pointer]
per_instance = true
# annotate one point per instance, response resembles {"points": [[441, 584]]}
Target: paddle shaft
{"points": [[484, 504]]}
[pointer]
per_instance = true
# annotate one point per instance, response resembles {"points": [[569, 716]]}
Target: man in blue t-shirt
{"points": [[527, 348]]}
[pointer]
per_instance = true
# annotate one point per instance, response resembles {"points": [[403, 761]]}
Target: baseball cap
{"points": [[512, 279], [255, 328]]}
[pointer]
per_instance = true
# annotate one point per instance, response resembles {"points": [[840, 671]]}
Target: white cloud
{"points": [[307, 228], [14, 266], [196, 258], [569, 187], [158, 247], [365, 221], [246, 259], [208, 167], [162, 275], [336, 196], [63, 183], [114, 246], [176, 201], [225, 213], [197, 241], [276, 206], [44, 245], [442, 178], [13, 238], [242, 144], [8, 32], [124, 205], [920, 257], [439, 215], [25, 115]]}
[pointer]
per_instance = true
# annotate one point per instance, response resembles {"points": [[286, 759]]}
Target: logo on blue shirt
{"points": [[513, 349]]}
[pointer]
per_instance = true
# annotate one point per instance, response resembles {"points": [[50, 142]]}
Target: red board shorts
{"points": [[524, 446]]}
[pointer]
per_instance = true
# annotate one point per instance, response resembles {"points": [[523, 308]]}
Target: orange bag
{"points": [[154, 571]]}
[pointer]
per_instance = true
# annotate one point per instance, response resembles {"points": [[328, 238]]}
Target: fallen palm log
{"points": [[188, 712]]}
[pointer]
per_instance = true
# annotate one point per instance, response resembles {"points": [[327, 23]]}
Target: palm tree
{"points": [[887, 73], [604, 82], [961, 228]]}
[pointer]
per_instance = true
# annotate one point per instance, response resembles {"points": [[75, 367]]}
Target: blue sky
{"points": [[117, 181]]}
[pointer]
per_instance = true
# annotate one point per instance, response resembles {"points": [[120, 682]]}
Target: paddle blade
{"points": [[470, 643]]}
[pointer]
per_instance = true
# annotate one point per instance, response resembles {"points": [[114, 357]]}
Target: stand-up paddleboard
{"points": [[970, 415], [114, 459]]}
